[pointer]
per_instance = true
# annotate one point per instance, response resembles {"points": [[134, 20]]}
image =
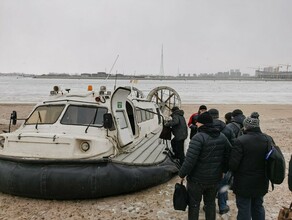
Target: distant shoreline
{"points": [[164, 78], [143, 77]]}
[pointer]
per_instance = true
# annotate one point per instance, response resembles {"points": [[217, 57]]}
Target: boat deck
{"points": [[150, 150]]}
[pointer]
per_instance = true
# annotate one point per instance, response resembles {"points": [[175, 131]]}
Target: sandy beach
{"points": [[155, 202]]}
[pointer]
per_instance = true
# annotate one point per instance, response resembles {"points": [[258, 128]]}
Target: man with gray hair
{"points": [[247, 162]]}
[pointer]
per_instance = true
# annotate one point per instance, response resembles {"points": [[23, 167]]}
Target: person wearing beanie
{"points": [[193, 119], [247, 162], [221, 126], [250, 123], [179, 130], [205, 162], [236, 124]]}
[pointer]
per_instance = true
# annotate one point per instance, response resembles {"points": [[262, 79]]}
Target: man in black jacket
{"points": [[247, 161], [205, 162], [236, 123], [222, 195], [179, 130]]}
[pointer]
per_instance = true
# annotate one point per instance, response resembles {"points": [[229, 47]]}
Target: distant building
{"points": [[273, 74], [235, 73]]}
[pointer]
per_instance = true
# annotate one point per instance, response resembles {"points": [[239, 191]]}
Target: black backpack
{"points": [[275, 163]]}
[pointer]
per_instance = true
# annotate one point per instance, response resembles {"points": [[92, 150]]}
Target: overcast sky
{"points": [[198, 36]]}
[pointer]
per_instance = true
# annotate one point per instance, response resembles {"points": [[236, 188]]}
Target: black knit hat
{"points": [[214, 113], [254, 115], [205, 118], [175, 108], [237, 112], [203, 107]]}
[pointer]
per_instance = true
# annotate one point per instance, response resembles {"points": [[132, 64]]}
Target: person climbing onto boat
{"points": [[206, 159], [179, 130], [193, 119]]}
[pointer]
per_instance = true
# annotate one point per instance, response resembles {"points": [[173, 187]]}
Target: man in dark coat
{"points": [[247, 161], [205, 162], [221, 126], [236, 123], [179, 130]]}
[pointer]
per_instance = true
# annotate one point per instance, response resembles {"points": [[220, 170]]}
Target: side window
{"points": [[147, 114], [143, 115], [138, 115]]}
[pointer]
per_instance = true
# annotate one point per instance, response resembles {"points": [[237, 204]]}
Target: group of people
{"points": [[219, 152]]}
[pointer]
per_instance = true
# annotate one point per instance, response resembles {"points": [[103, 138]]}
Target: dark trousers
{"points": [[195, 192], [250, 208], [178, 150]]}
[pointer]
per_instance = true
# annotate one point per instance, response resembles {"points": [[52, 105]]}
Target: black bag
{"points": [[180, 197], [165, 133], [275, 164]]}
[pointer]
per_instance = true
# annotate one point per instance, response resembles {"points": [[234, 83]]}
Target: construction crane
{"points": [[287, 65]]}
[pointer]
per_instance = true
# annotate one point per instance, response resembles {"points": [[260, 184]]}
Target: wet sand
{"points": [[155, 202]]}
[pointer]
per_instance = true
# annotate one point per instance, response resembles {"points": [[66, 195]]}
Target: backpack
{"points": [[275, 163], [239, 129]]}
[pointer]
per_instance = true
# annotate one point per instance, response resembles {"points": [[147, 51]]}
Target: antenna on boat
{"points": [[116, 80], [112, 67]]}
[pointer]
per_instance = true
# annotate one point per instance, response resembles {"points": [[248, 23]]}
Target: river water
{"points": [[32, 90]]}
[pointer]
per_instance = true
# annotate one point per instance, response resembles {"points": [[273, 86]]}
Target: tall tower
{"points": [[161, 73]]}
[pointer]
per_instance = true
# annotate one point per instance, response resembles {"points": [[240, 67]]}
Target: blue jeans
{"points": [[195, 192], [222, 196], [250, 208]]}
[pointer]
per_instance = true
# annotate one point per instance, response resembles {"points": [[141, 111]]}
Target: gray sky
{"points": [[198, 36]]}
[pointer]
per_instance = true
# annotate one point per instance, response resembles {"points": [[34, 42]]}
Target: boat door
{"points": [[119, 111]]}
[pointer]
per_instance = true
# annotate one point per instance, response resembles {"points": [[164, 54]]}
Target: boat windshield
{"points": [[84, 115], [45, 114]]}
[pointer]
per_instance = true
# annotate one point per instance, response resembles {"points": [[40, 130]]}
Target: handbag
{"points": [[165, 133], [180, 197], [285, 213]]}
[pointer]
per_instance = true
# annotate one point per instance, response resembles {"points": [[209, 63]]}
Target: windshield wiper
{"points": [[39, 120], [91, 121]]}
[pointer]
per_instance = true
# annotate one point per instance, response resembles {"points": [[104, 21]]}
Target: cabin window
{"points": [[147, 114], [143, 115], [138, 115], [121, 119], [45, 114], [151, 115], [84, 115]]}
